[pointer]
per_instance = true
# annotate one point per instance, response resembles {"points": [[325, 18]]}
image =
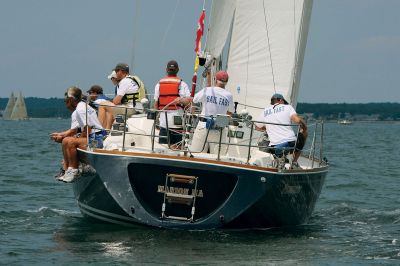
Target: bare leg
{"points": [[106, 115], [71, 153], [109, 118], [102, 115]]}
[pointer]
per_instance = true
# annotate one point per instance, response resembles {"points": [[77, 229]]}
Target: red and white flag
{"points": [[200, 30]]}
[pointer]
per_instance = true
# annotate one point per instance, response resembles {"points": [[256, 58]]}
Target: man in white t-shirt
{"points": [[282, 137], [71, 140], [126, 91], [171, 94], [215, 101]]}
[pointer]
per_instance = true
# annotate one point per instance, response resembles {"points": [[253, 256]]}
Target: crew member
{"points": [[215, 101], [171, 94]]}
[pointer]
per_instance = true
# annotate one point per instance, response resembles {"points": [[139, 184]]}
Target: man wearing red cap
{"points": [[215, 101], [170, 94]]}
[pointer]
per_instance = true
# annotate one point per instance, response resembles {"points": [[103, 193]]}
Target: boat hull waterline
{"points": [[231, 195]]}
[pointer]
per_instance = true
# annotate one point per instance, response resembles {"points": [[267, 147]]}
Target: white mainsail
{"points": [[268, 39], [9, 107], [19, 111]]}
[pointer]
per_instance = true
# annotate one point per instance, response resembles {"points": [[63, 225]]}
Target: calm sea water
{"points": [[356, 220]]}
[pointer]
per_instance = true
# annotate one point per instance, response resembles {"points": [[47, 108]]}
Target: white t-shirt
{"points": [[127, 86], [280, 114], [215, 100], [80, 116], [183, 92], [74, 122]]}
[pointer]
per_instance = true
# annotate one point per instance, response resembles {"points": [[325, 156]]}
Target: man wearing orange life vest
{"points": [[170, 94]]}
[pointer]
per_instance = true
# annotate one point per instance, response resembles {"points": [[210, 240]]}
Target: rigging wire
{"points": [[135, 32], [170, 24], [209, 23], [294, 70], [247, 69], [269, 46], [251, 106]]}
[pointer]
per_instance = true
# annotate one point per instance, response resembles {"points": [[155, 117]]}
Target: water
{"points": [[356, 220]]}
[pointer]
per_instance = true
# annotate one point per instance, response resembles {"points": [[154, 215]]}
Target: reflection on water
{"points": [[151, 245]]}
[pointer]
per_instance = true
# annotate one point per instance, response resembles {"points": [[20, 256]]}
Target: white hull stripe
{"points": [[82, 205]]}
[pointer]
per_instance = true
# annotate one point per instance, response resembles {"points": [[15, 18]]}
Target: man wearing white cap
{"points": [[113, 78], [215, 101], [282, 137]]}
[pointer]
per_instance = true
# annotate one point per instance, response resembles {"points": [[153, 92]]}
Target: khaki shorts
{"points": [[120, 110]]}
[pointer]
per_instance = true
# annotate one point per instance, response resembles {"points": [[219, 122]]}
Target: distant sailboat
{"points": [[16, 108], [9, 107], [345, 122]]}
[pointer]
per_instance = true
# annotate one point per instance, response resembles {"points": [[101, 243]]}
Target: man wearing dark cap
{"points": [[171, 93], [102, 103], [282, 137], [126, 90], [215, 101]]}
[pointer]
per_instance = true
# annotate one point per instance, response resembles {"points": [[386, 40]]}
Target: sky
{"points": [[352, 54]]}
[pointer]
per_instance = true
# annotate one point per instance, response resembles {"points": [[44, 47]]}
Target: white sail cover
{"points": [[19, 111], [266, 49], [9, 107]]}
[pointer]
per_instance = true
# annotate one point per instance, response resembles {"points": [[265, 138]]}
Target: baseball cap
{"points": [[279, 96], [172, 65], [112, 75], [96, 89], [222, 76], [122, 66]]}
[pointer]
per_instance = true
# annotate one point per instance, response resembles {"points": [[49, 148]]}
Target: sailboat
{"points": [[9, 107], [345, 122], [136, 180], [16, 108]]}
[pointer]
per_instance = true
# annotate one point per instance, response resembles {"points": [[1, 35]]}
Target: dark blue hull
{"points": [[130, 188]]}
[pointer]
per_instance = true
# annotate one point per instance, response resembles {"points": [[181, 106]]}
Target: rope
{"points": [[269, 47]]}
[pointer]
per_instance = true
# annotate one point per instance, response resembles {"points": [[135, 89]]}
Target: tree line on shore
{"points": [[55, 107]]}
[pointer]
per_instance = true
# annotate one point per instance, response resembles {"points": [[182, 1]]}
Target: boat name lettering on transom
{"points": [[181, 191]]}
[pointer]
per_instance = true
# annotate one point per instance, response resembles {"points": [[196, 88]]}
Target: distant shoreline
{"points": [[329, 112]]}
